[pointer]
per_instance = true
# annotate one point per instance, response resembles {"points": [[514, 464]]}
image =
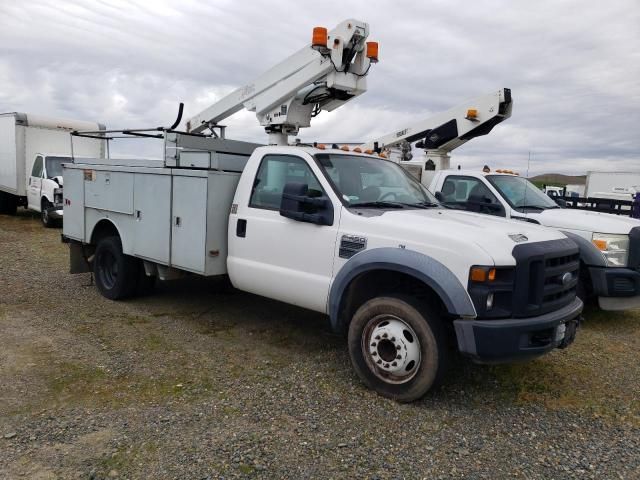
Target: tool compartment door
{"points": [[189, 223], [152, 207]]}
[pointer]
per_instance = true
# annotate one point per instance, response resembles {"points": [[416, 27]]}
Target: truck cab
{"points": [[44, 187], [609, 244]]}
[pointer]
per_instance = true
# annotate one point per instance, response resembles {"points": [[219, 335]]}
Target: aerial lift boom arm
{"points": [[448, 130], [321, 76], [444, 132]]}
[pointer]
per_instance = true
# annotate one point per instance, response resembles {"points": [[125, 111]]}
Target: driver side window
{"points": [[36, 170], [471, 194], [274, 173]]}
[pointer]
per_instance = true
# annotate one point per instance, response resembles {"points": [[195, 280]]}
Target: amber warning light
{"points": [[319, 38], [372, 51]]}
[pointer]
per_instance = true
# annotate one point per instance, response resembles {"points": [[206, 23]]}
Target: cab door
{"points": [[34, 184], [276, 256]]}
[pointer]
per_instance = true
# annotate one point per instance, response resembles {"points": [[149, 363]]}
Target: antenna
{"points": [[526, 184]]}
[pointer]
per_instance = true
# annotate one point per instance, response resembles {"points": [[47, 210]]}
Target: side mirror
{"points": [[298, 204], [439, 196]]}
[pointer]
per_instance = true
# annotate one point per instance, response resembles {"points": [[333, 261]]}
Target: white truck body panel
{"points": [[605, 184], [11, 165]]}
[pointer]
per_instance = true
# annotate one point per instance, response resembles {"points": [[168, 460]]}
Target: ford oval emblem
{"points": [[566, 279]]}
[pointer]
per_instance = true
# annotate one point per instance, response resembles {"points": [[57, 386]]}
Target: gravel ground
{"points": [[201, 381]]}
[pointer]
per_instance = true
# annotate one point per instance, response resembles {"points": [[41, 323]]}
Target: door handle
{"points": [[241, 228]]}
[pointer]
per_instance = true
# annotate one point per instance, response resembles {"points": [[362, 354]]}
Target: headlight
{"points": [[615, 248]]}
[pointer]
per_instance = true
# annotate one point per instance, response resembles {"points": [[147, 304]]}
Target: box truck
{"points": [[32, 150]]}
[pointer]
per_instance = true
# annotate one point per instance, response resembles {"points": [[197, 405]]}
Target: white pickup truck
{"points": [[609, 244], [343, 233]]}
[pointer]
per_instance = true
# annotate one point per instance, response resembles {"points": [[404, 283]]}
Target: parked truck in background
{"points": [[612, 185], [609, 244], [341, 232], [32, 150]]}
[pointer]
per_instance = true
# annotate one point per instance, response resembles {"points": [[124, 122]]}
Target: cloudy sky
{"points": [[573, 67]]}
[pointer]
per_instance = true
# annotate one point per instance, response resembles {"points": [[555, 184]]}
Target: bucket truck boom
{"points": [[444, 132], [321, 76]]}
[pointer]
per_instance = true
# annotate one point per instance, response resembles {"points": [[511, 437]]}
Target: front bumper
{"points": [[615, 282], [506, 340], [56, 212]]}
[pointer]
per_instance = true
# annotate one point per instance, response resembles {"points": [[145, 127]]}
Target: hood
{"points": [[571, 219], [451, 232]]}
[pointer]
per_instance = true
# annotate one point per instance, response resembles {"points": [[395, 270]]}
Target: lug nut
{"points": [[384, 335], [377, 337], [394, 364], [397, 347], [374, 353], [386, 365], [379, 361], [393, 339], [373, 344]]}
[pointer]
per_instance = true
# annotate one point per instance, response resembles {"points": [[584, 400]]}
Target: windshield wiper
{"points": [[425, 204], [377, 204], [537, 207]]}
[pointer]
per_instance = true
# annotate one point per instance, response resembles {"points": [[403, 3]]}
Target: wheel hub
{"points": [[393, 348]]}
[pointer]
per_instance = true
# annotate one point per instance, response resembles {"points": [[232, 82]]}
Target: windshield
{"points": [[521, 193], [54, 166], [372, 182]]}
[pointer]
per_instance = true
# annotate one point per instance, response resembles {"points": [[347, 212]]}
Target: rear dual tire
{"points": [[398, 347], [119, 276]]}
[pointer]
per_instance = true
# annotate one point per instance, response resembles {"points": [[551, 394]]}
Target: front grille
{"points": [[546, 276]]}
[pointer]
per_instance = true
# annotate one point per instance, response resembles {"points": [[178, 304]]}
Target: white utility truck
{"points": [[32, 150], [609, 244], [331, 230]]}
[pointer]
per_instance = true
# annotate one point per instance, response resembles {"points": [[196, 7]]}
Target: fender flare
{"points": [[420, 266], [589, 254]]}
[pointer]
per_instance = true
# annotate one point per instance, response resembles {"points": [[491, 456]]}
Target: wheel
{"points": [[398, 347], [116, 274], [47, 221]]}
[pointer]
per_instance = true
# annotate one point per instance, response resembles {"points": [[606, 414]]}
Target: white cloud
{"points": [[573, 67]]}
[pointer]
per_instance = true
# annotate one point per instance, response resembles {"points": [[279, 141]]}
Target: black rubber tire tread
{"points": [[48, 222], [427, 325], [128, 271]]}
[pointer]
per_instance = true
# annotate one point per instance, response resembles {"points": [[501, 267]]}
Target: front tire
{"points": [[47, 221], [398, 347], [116, 274]]}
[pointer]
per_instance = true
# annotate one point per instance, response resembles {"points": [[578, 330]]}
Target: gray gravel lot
{"points": [[201, 381]]}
